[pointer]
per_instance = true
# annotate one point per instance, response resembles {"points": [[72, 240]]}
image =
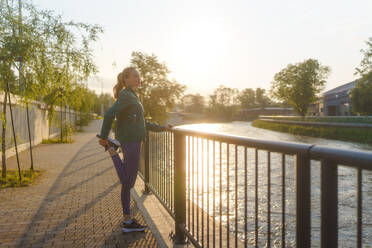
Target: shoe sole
{"points": [[126, 230], [110, 140], [114, 142]]}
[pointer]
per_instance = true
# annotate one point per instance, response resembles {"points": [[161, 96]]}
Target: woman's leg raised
{"points": [[127, 171]]}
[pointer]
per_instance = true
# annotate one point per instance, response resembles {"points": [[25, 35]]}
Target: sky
{"points": [[237, 43]]}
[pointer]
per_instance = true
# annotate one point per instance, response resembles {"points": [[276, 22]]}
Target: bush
{"points": [[12, 178], [360, 135], [67, 131], [338, 119], [56, 140], [84, 119]]}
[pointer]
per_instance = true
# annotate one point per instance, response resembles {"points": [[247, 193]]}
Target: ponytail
{"points": [[121, 80]]}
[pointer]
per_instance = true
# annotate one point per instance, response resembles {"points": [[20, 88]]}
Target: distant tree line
{"points": [[225, 103], [297, 85]]}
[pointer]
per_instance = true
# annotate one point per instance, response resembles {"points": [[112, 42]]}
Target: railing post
{"points": [[329, 205], [147, 164], [303, 227], [180, 187]]}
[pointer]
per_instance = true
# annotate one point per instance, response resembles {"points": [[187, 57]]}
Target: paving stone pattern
{"points": [[75, 203]]}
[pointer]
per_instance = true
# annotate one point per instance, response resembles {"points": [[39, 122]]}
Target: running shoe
{"points": [[133, 227], [113, 143]]}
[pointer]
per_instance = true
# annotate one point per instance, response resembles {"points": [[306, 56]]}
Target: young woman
{"points": [[131, 131]]}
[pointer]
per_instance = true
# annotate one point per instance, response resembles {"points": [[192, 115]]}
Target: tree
{"points": [[55, 55], [299, 84], [67, 63], [247, 98], [226, 96], [261, 99], [365, 66], [158, 94], [223, 103], [361, 99], [194, 103], [105, 99]]}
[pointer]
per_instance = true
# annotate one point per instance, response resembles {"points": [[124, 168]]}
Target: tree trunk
{"points": [[3, 147]]}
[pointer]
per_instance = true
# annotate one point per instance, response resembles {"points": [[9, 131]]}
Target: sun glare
{"points": [[199, 44], [204, 127]]}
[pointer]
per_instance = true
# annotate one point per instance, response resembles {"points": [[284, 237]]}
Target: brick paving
{"points": [[75, 203]]}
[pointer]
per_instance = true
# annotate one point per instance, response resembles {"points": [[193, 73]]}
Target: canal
{"points": [[202, 190]]}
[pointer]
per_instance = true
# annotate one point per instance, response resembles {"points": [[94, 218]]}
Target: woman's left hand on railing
{"points": [[168, 127]]}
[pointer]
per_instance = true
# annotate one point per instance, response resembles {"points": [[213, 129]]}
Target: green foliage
{"points": [[261, 99], [365, 66], [12, 178], [193, 103], [54, 52], [299, 84], [84, 119], [360, 135], [337, 119], [158, 94], [223, 103], [361, 95], [105, 99], [361, 100], [225, 96], [57, 140], [67, 132], [56, 56], [247, 98]]}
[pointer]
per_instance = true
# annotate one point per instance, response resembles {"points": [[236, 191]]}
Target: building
{"points": [[316, 109], [336, 102]]}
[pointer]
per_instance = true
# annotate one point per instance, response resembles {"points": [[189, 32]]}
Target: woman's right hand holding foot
{"points": [[103, 142]]}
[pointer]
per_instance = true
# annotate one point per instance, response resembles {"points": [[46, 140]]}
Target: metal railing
{"points": [[226, 190]]}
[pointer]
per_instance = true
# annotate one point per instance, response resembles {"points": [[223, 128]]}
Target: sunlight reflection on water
{"points": [[201, 172]]}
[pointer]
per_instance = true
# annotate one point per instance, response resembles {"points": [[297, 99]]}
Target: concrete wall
{"points": [[39, 126]]}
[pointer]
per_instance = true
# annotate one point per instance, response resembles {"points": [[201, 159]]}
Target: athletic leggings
{"points": [[127, 171]]}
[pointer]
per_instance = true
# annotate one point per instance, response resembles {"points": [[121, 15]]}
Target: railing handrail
{"points": [[356, 159], [329, 158]]}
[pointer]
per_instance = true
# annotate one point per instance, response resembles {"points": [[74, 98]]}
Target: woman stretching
{"points": [[131, 131]]}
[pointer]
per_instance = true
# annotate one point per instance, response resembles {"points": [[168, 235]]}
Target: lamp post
{"points": [[61, 91]]}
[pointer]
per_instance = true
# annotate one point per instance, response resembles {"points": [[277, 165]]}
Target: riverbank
{"points": [[327, 119], [361, 135]]}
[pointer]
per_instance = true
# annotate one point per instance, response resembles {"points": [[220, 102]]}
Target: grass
{"points": [[339, 119], [12, 178], [56, 140], [78, 129], [360, 135]]}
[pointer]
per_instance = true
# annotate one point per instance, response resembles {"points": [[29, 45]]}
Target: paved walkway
{"points": [[75, 203]]}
